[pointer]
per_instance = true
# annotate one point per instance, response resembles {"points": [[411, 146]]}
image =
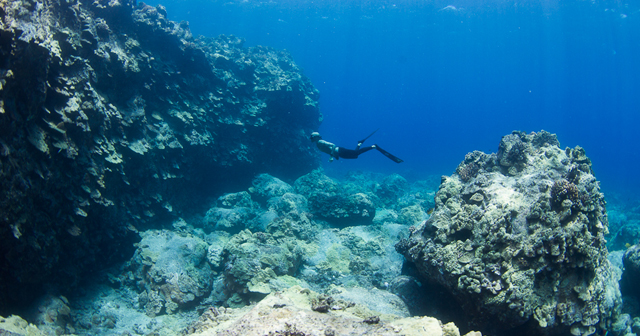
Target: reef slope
{"points": [[112, 116]]}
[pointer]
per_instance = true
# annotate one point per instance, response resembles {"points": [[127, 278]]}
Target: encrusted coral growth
{"points": [[518, 237], [355, 201], [631, 275], [113, 116], [254, 261], [468, 171], [170, 271], [288, 312], [273, 232], [562, 191], [344, 210]]}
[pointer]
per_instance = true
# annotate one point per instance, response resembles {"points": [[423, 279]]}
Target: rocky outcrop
{"points": [[266, 236], [631, 275], [112, 116], [343, 210], [299, 311], [293, 311], [518, 238], [170, 271], [250, 244]]}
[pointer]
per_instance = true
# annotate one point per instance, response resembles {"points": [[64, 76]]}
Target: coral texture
{"points": [[251, 244], [112, 116], [518, 237], [631, 275], [170, 271], [343, 210], [299, 311]]}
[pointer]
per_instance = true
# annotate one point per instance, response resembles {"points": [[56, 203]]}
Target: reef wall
{"points": [[518, 238], [112, 116]]}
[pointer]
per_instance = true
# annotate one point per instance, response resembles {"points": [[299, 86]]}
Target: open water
{"points": [[443, 78]]}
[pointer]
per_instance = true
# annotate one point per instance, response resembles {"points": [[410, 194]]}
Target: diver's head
{"points": [[315, 136]]}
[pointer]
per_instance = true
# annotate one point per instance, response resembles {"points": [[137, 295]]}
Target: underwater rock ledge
{"points": [[518, 238], [112, 116]]}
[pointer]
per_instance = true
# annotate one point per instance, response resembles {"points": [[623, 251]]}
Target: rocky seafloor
{"points": [[321, 256], [156, 183]]}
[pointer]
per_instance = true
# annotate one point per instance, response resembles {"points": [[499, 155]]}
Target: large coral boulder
{"points": [[518, 238]]}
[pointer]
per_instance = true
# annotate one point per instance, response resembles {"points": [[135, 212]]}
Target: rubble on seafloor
{"points": [[293, 311]]}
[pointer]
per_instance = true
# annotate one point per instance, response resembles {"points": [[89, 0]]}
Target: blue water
{"points": [[443, 78]]}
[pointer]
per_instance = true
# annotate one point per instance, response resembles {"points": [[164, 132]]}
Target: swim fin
{"points": [[389, 155], [368, 136]]}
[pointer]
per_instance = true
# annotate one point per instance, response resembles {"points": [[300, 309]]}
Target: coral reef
{"points": [[170, 271], [53, 315], [266, 187], [16, 325], [199, 266], [288, 237], [631, 275], [517, 238], [343, 210], [242, 250], [232, 214], [113, 118], [291, 312], [254, 261]]}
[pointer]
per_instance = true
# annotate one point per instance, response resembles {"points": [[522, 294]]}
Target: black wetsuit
{"points": [[352, 153], [340, 152]]}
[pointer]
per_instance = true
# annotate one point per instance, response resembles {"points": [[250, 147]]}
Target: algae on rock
{"points": [[113, 116], [290, 312], [518, 237]]}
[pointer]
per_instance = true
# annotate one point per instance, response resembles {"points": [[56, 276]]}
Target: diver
{"points": [[336, 152]]}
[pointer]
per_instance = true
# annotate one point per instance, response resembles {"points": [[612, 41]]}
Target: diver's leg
{"points": [[347, 153], [366, 149]]}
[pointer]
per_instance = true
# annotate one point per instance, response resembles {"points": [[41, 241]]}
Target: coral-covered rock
{"points": [[233, 214], [171, 271], [631, 275], [287, 203], [391, 189], [316, 181], [266, 187], [288, 312], [293, 223], [362, 255], [229, 220], [16, 325], [253, 262], [518, 238], [412, 215], [343, 210], [53, 314], [112, 116]]}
